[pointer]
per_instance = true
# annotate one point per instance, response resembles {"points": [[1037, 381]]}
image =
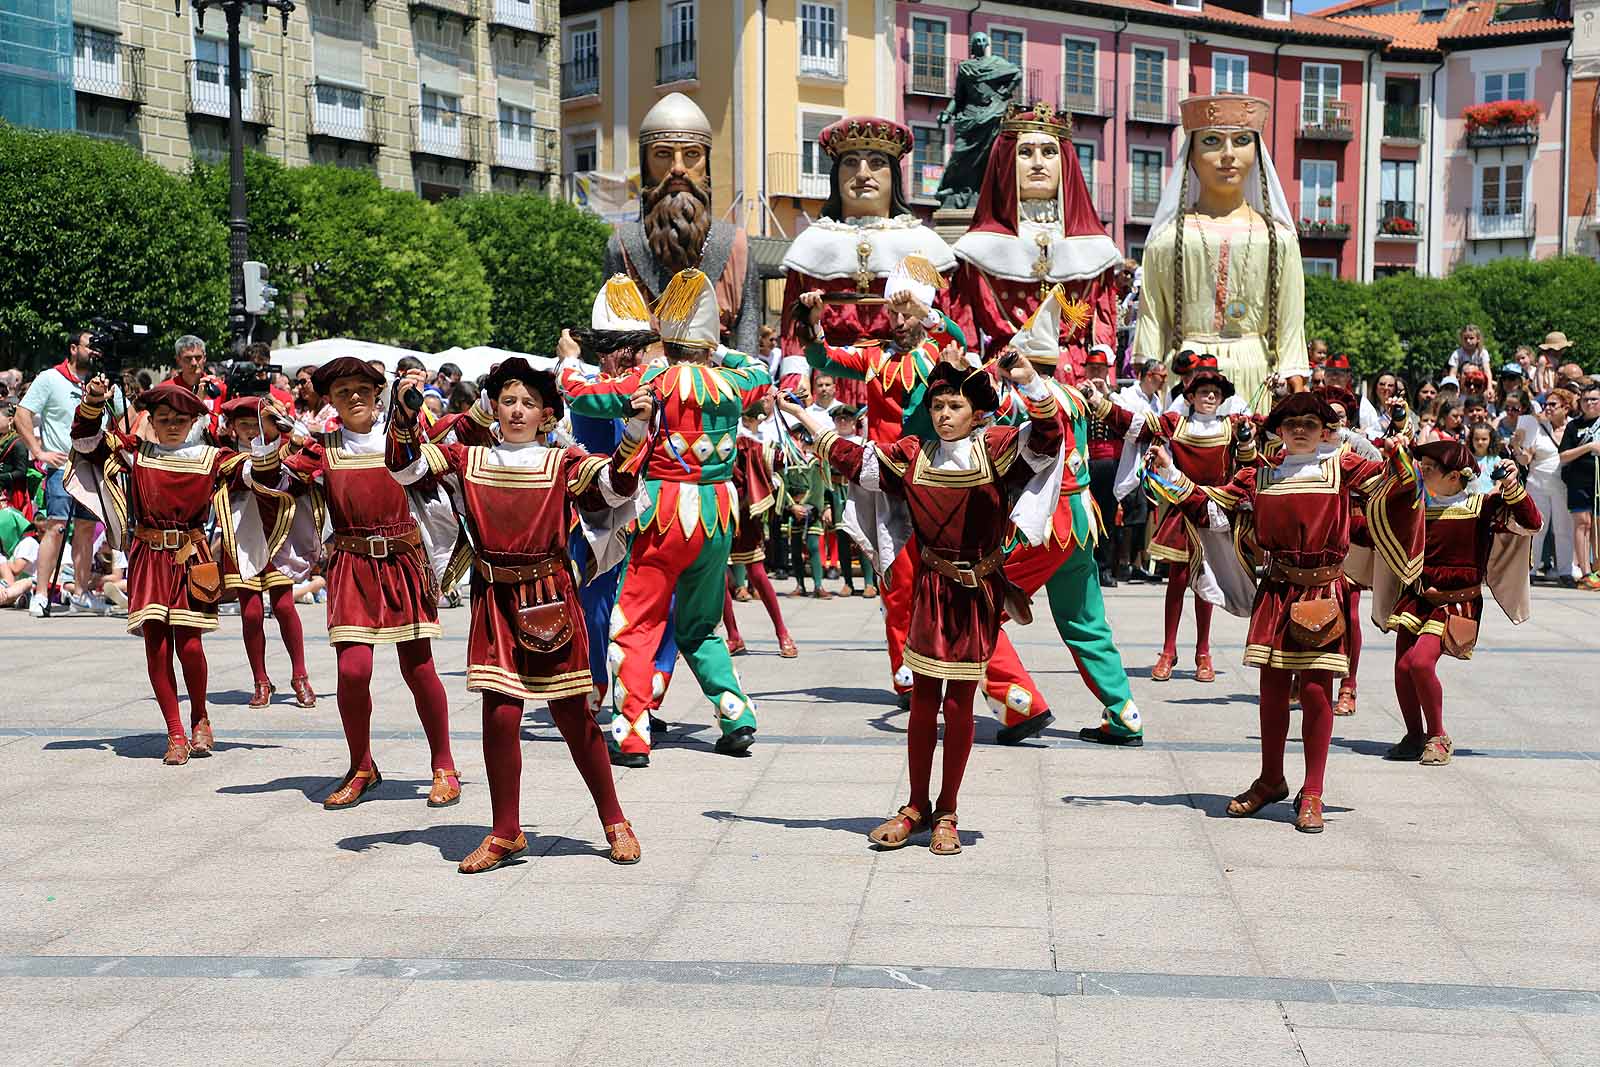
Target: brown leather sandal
{"points": [[177, 751], [304, 695], [625, 848], [1308, 815], [486, 858], [945, 841], [1258, 796], [443, 794], [787, 648], [353, 789], [262, 695], [896, 831], [201, 740], [1438, 749], [1162, 671], [1203, 670], [1346, 704]]}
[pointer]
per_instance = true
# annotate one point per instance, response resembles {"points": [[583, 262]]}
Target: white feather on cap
{"points": [[619, 306], [917, 276], [1039, 340]]}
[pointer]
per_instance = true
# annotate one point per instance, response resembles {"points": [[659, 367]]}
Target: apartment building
{"points": [[1583, 131], [440, 96]]}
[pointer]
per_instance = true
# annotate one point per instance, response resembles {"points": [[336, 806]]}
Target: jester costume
{"points": [[687, 529]]}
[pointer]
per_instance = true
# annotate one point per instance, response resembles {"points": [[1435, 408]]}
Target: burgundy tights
{"points": [[929, 698], [1352, 611], [502, 756], [759, 581], [355, 700], [1177, 588], [160, 643], [253, 615], [1316, 728], [1416, 683]]}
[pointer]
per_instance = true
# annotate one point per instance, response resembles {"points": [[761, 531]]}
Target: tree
{"points": [[1526, 299], [1345, 315], [382, 265], [88, 228], [272, 199], [1428, 314], [542, 259]]}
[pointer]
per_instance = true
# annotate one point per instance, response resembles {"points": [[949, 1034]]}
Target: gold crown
{"points": [[865, 134], [1037, 118]]}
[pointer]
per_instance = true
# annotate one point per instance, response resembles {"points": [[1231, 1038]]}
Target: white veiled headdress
{"points": [[1231, 113]]}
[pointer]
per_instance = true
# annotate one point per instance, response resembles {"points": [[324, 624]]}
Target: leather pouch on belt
{"points": [[205, 581], [1018, 604], [1316, 623], [545, 626], [1460, 636]]}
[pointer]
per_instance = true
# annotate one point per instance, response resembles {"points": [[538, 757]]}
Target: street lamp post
{"points": [[238, 220]]}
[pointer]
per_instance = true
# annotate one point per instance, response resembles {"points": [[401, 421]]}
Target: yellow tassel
{"points": [[919, 268], [678, 302], [1076, 313], [624, 300]]}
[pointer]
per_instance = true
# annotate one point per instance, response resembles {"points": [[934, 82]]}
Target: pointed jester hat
{"points": [[1039, 340], [688, 313]]}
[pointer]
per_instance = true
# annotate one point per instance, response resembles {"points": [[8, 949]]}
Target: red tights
{"points": [[253, 615], [502, 756], [929, 697], [1352, 611], [1316, 727], [759, 581], [1416, 683], [355, 700], [1177, 587], [160, 643]]}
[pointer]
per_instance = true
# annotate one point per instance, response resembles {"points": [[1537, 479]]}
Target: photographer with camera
{"points": [[189, 357], [44, 422]]}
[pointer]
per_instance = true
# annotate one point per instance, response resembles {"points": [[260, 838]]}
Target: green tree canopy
{"points": [[1526, 299], [89, 227], [1342, 314], [1428, 314], [382, 265], [542, 258]]}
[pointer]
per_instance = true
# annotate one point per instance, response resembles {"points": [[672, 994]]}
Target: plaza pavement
{"points": [[1104, 910]]}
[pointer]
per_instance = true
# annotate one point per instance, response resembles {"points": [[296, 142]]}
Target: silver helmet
{"points": [[675, 118]]}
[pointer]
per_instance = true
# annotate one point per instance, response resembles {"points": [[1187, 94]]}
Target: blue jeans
{"points": [[58, 503]]}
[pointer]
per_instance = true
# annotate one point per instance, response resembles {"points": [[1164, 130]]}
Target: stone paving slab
{"points": [[1104, 910]]}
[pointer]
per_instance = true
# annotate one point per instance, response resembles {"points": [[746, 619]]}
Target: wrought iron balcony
{"points": [[542, 17], [1152, 104], [677, 62], [1103, 201], [340, 113], [580, 76], [822, 56], [1329, 123], [468, 11], [1399, 220], [524, 146], [208, 93], [1088, 98], [105, 67], [930, 74], [1515, 223], [1402, 122], [1142, 201], [443, 132], [1324, 224], [1513, 135]]}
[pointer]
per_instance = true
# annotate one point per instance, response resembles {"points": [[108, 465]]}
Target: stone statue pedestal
{"points": [[951, 222]]}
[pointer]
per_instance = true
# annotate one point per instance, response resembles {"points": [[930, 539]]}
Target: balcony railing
{"points": [[823, 57], [442, 132], [1103, 201], [1502, 225], [930, 74], [1031, 88], [1402, 122], [1152, 104], [468, 11], [580, 77], [1142, 201], [208, 93], [1399, 219], [524, 146], [340, 113], [1331, 122], [104, 66], [1324, 223], [677, 62], [1506, 136], [786, 177], [1094, 99], [525, 16]]}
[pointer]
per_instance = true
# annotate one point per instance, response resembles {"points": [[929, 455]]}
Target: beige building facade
{"points": [[441, 97]]}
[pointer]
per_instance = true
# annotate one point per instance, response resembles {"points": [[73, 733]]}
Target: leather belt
{"points": [[966, 574], [515, 574], [1304, 576], [1438, 597], [166, 540], [378, 547]]}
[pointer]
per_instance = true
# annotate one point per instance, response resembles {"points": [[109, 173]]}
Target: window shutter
{"points": [[336, 40], [102, 13]]}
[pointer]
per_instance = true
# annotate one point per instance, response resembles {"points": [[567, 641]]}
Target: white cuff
{"points": [[635, 429], [870, 479], [1036, 389]]}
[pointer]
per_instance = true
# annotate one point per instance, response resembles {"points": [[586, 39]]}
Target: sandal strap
{"points": [[441, 773], [618, 828], [500, 842]]}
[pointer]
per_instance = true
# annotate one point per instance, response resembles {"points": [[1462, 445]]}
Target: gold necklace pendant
{"points": [[863, 274]]}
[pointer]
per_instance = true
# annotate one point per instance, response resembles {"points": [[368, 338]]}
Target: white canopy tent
{"points": [[316, 353], [481, 359]]}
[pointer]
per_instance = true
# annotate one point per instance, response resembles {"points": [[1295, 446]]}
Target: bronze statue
{"points": [[985, 85]]}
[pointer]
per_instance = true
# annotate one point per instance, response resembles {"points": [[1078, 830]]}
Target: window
{"points": [[212, 60], [583, 61], [1230, 73], [814, 167], [1077, 74], [1397, 191], [515, 145], [1145, 183], [94, 59], [675, 59], [1193, 5], [819, 40], [208, 86], [680, 22], [927, 160], [1317, 178], [1275, 9], [1500, 190], [439, 127], [583, 151], [1506, 85], [1319, 92], [1149, 83], [1085, 151], [340, 111], [1007, 44], [1321, 268], [930, 64]]}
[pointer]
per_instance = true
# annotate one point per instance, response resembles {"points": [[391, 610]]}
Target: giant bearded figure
{"points": [[1034, 229], [676, 228], [865, 232]]}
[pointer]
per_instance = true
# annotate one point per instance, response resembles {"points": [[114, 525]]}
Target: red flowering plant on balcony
{"points": [[1500, 114], [1399, 227]]}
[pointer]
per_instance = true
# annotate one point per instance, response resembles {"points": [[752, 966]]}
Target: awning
{"points": [[767, 253]]}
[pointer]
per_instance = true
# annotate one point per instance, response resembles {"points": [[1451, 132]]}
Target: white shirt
{"points": [[1545, 470], [1233, 405], [1459, 359]]}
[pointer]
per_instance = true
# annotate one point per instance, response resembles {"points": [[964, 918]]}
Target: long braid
{"points": [[1177, 263], [1272, 260]]}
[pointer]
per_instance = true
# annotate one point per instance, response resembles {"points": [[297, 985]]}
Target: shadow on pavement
{"points": [[1213, 805], [829, 694], [140, 746], [315, 788], [858, 827], [455, 840]]}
